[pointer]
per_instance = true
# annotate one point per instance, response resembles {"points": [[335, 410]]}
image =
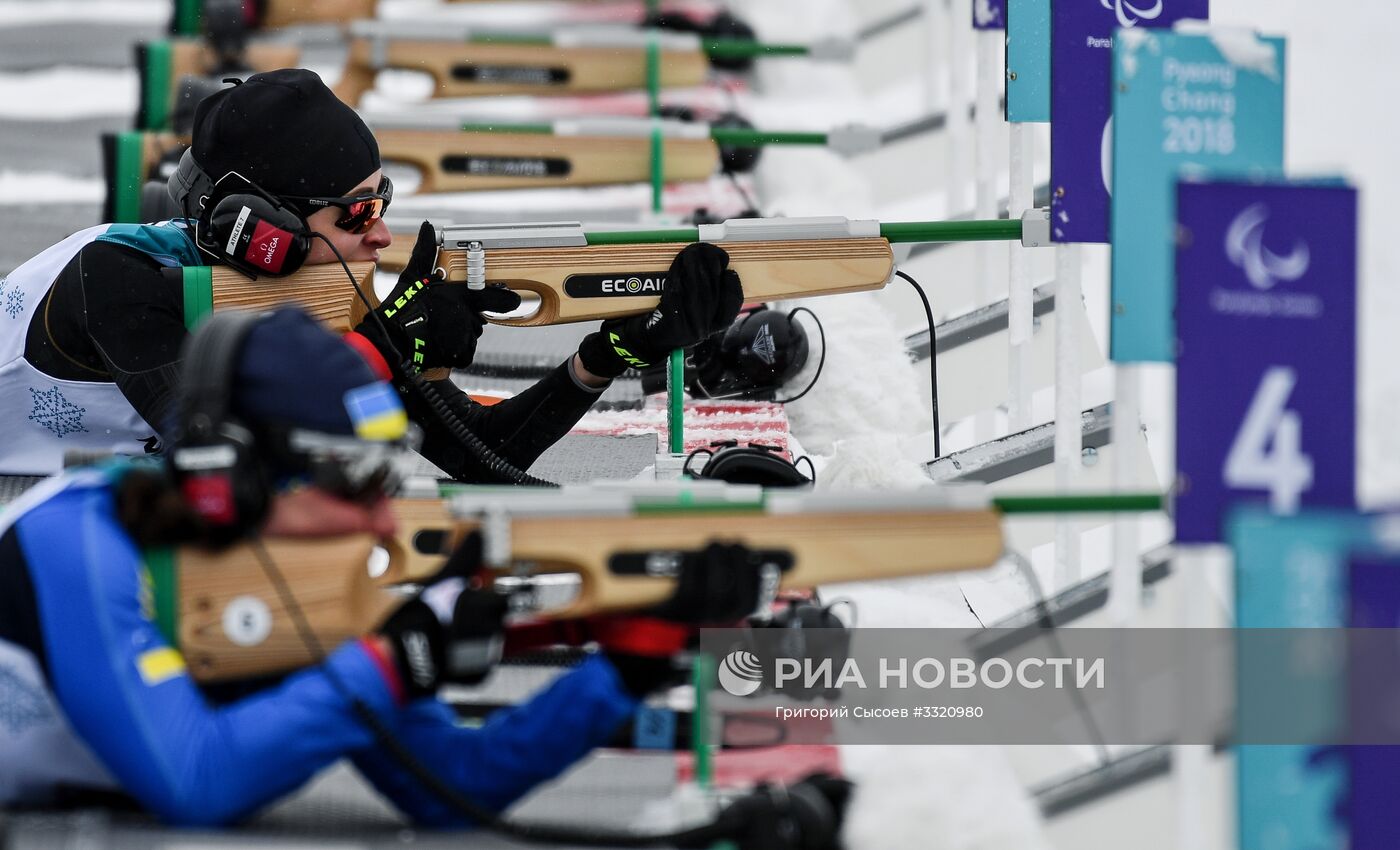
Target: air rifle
{"points": [[580, 275], [604, 550], [468, 62], [459, 155], [190, 15], [456, 154]]}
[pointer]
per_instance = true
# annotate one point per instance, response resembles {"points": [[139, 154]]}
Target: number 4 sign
{"points": [[1266, 349], [1267, 454]]}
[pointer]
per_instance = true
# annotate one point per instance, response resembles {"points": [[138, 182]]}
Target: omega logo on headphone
{"points": [[250, 230]]}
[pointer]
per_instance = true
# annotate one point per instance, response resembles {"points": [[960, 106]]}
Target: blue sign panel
{"points": [[1266, 349], [1181, 104], [989, 14], [1291, 572], [1082, 34], [1373, 772], [1027, 61]]}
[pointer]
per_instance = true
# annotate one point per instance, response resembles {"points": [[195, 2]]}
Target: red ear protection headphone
{"points": [[238, 223], [250, 230], [213, 458]]}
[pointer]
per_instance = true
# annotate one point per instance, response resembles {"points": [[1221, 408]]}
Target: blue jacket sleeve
{"points": [[517, 749]]}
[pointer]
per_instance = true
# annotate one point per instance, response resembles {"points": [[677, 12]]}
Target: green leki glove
{"points": [[433, 323], [702, 295]]}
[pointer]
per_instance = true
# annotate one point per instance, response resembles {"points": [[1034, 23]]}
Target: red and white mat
{"points": [[705, 422]]}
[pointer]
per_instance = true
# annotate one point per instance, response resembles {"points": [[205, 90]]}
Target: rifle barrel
{"points": [[900, 231], [740, 48]]}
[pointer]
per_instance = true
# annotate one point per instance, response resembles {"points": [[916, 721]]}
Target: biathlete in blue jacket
{"points": [[285, 430]]}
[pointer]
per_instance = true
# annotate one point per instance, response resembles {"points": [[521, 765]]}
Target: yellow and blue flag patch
{"points": [[160, 665], [376, 412]]}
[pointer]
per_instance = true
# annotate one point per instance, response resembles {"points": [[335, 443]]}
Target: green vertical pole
{"points": [[675, 375], [658, 168], [654, 73], [198, 292], [658, 150], [187, 15], [702, 674], [675, 398], [126, 178], [156, 84]]}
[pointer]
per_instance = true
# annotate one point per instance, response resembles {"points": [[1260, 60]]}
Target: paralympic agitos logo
{"points": [[615, 285], [1129, 15]]}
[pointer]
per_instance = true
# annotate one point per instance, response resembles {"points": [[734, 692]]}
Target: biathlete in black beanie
{"points": [[91, 331]]}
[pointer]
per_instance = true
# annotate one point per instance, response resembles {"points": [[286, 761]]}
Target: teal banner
{"points": [[1027, 61], [1291, 573], [1192, 103]]}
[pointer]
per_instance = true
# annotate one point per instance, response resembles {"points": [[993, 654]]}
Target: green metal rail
{"points": [[1080, 503], [999, 229]]}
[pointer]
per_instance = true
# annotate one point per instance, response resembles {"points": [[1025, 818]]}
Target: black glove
{"points": [[430, 322], [805, 816], [702, 295], [448, 632], [722, 583]]}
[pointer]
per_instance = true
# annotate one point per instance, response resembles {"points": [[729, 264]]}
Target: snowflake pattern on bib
{"points": [[22, 705], [56, 413], [13, 300]]}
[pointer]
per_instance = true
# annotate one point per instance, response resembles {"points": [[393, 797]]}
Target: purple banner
{"points": [[989, 14], [1081, 37], [1373, 772], [1266, 349]]}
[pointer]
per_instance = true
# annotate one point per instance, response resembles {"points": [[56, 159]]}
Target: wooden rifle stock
{"points": [[478, 161], [225, 613], [285, 13], [769, 271], [474, 69], [322, 290]]}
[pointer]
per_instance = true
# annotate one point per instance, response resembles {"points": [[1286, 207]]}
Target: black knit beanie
{"points": [[287, 132]]}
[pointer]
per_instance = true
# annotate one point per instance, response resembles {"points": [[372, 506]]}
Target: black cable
{"points": [[932, 363], [494, 463], [810, 467], [820, 362], [743, 193], [1047, 621]]}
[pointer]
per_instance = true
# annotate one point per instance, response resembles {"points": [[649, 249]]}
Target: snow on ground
{"points": [[24, 12], [17, 188], [57, 93], [961, 796]]}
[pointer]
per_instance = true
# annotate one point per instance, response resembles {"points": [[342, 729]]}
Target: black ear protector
{"points": [[755, 463], [238, 223], [213, 459], [752, 359]]}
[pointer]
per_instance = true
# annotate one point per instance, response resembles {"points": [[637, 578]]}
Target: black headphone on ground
{"points": [[213, 458], [238, 223]]}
